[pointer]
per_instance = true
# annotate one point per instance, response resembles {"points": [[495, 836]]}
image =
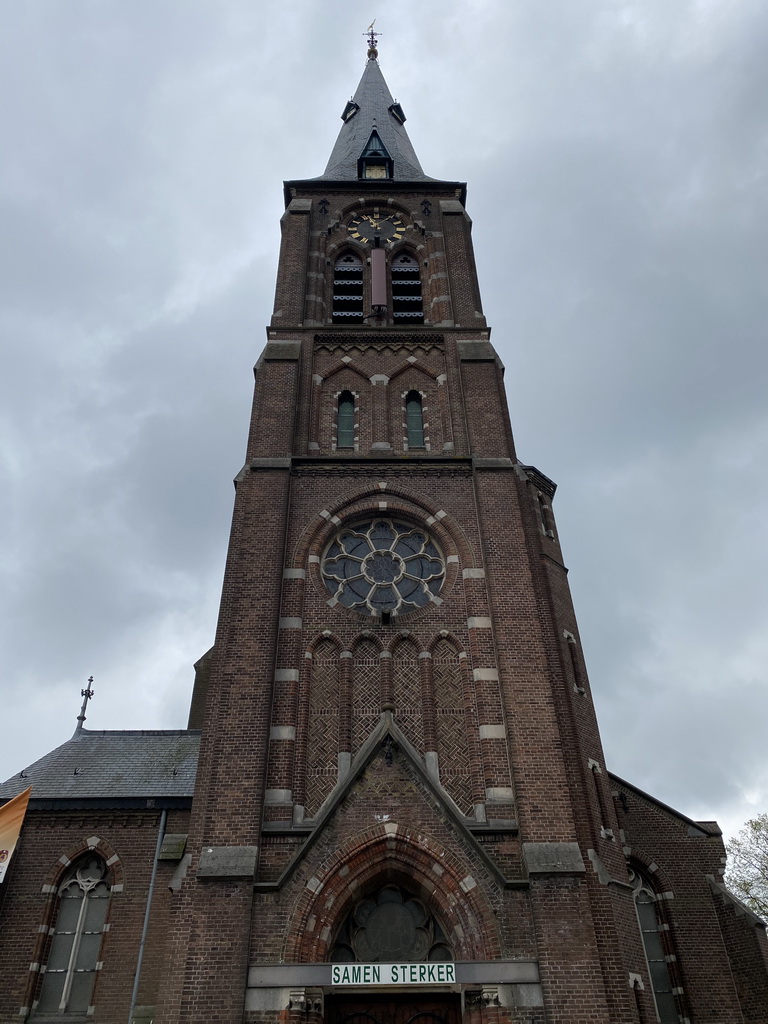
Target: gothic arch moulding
{"points": [[339, 367], [366, 500], [390, 854], [93, 844]]}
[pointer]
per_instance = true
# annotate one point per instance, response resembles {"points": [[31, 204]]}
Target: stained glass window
{"points": [[70, 972], [383, 567]]}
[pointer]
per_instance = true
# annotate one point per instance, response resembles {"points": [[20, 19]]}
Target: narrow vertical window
{"points": [[345, 421], [658, 968], [414, 420], [407, 302], [73, 958], [578, 678], [348, 290]]}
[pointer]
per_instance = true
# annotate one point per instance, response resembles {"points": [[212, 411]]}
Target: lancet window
{"points": [[73, 957], [649, 919], [345, 421], [414, 420]]}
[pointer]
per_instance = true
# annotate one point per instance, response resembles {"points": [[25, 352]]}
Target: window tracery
{"points": [[383, 567], [390, 926], [73, 957]]}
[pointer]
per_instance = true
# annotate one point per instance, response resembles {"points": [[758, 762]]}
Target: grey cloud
{"points": [[615, 160]]}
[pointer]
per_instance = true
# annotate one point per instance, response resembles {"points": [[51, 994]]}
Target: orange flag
{"points": [[11, 819]]}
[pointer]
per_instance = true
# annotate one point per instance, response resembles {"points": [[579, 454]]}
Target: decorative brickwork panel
{"points": [[452, 725], [366, 697], [323, 744], [407, 690]]}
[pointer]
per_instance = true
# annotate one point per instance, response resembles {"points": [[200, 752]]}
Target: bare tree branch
{"points": [[747, 873]]}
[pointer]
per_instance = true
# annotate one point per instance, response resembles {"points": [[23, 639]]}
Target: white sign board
{"points": [[393, 974]]}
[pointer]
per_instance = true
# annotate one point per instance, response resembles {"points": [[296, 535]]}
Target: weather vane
{"points": [[373, 52]]}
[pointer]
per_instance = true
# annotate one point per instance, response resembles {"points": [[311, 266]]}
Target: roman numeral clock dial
{"points": [[365, 227]]}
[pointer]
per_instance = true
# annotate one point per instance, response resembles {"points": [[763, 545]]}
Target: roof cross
{"points": [[86, 694], [373, 52]]}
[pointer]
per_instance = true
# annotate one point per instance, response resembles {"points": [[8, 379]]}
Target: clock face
{"points": [[366, 226]]}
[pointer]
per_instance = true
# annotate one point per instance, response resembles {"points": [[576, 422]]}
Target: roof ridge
{"points": [[94, 733]]}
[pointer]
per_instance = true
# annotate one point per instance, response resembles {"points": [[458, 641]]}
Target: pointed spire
{"points": [[372, 109]]}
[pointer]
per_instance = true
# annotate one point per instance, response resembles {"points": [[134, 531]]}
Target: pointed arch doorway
{"points": [[392, 924]]}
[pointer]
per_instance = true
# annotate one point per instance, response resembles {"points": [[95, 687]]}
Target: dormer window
{"points": [[375, 162], [397, 112], [349, 111]]}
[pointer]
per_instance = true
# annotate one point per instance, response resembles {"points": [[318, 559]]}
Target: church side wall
{"points": [[49, 840], [682, 862]]}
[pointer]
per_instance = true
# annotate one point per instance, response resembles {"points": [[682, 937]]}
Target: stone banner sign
{"points": [[393, 974]]}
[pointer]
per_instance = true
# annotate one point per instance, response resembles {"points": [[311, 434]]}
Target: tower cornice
{"points": [[365, 189]]}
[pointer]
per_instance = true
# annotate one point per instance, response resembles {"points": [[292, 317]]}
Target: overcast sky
{"points": [[616, 154]]}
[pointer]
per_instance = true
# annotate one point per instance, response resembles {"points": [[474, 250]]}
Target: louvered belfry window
{"points": [[347, 305], [73, 959], [407, 302]]}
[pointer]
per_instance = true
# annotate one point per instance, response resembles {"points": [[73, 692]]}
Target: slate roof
{"points": [[374, 100], [113, 765]]}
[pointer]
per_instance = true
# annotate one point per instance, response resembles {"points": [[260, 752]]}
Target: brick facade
{"points": [[451, 752]]}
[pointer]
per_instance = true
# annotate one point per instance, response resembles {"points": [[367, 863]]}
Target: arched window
{"points": [[345, 421], [414, 420], [73, 958], [407, 303], [348, 289], [649, 920]]}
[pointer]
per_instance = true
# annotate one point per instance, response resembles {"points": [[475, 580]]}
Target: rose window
{"points": [[383, 566]]}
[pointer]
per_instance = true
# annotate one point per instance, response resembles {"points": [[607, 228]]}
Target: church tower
{"points": [[400, 761], [400, 813]]}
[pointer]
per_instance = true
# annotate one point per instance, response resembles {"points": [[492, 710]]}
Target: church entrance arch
{"points": [[461, 925]]}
